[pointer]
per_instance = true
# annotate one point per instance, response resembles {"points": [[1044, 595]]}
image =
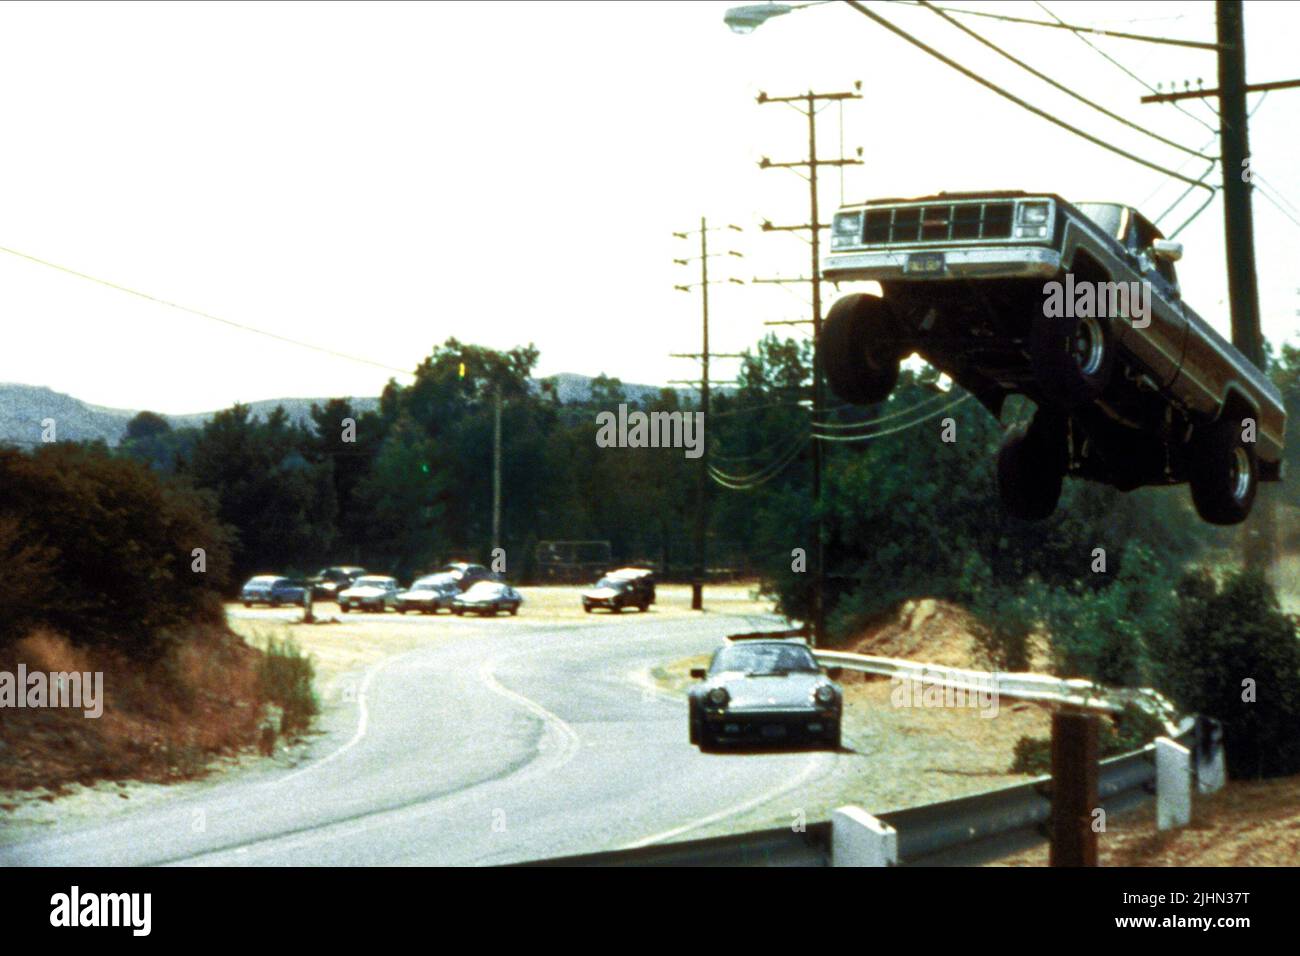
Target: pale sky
{"points": [[375, 178]]}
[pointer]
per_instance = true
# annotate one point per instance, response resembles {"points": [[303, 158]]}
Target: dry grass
{"points": [[163, 722]]}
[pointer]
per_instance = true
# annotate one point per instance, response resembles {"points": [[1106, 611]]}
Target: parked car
{"points": [[272, 589], [643, 579], [1002, 292], [764, 690], [428, 594], [371, 592], [328, 582], [467, 575], [614, 594], [487, 597]]}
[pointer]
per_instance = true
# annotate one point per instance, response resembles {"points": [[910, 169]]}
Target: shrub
{"points": [[114, 542], [286, 678], [1234, 656]]}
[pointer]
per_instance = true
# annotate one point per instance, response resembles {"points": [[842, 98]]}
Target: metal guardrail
{"points": [[968, 831], [1020, 686]]}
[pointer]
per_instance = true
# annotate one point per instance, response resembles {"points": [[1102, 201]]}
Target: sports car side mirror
{"points": [[698, 673], [835, 673], [1167, 250]]}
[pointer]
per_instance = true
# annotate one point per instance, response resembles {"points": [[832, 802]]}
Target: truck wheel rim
{"points": [[1088, 346], [1240, 474]]}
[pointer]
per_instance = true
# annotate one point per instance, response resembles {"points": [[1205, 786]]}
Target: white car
{"points": [[488, 597], [373, 592]]}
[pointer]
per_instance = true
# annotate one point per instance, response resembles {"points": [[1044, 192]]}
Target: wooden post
{"points": [[1074, 789]]}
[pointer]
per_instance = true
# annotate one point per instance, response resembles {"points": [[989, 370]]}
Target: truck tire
{"points": [[1030, 470], [1224, 472], [1071, 357], [860, 350]]}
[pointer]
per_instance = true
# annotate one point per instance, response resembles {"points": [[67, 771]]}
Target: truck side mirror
{"points": [[1167, 250], [697, 673]]}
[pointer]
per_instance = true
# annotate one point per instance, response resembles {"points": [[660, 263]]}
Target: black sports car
{"points": [[764, 690]]}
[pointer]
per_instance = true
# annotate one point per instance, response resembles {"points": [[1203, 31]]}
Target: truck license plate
{"points": [[925, 263]]}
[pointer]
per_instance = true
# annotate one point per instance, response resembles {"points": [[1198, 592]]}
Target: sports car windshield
{"points": [[765, 659]]}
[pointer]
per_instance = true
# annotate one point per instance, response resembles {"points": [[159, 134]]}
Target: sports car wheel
{"points": [[860, 349], [343, 608], [1072, 358], [1031, 469], [1224, 472], [586, 608]]}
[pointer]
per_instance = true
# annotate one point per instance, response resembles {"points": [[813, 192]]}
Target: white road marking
{"points": [[363, 722], [813, 764]]}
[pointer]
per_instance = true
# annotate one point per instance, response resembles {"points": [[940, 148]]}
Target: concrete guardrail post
{"points": [[859, 839], [1211, 759], [1173, 784]]}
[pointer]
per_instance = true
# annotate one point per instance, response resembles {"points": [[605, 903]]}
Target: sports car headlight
{"points": [[825, 694], [718, 697]]}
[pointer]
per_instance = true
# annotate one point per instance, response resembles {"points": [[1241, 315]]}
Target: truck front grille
{"points": [[941, 222]]}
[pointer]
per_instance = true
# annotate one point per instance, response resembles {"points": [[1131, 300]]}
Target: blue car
{"points": [[271, 589]]}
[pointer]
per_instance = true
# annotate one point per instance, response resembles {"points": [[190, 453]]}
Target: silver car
{"points": [[373, 592]]}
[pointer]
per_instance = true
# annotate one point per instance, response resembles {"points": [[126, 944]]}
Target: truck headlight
{"points": [[718, 697], [825, 694], [1034, 213], [846, 230]]}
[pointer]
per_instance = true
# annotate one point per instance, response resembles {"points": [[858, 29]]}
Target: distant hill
{"points": [[24, 407]]}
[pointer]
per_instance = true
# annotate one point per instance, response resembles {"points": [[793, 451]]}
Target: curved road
{"points": [[500, 741]]}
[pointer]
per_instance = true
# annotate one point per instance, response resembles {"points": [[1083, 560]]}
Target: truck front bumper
{"points": [[942, 263]]}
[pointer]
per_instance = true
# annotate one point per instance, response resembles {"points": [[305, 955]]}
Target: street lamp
{"points": [[750, 17]]}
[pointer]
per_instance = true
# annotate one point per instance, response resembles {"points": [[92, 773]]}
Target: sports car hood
{"points": [[601, 594], [760, 693]]}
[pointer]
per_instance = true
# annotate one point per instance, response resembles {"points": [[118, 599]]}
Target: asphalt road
{"points": [[502, 740]]}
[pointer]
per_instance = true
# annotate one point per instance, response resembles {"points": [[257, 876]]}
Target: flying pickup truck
{"points": [[1075, 306]]}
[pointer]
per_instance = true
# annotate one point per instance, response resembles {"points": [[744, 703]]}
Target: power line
{"points": [[895, 430], [1149, 88], [989, 84], [763, 475], [200, 313], [1054, 83], [1144, 37]]}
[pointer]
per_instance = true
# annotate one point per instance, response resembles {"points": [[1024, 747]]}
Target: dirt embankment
{"points": [[161, 722], [1250, 823]]}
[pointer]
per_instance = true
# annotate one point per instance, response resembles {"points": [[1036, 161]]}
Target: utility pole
{"points": [[807, 104], [496, 472], [702, 492], [1258, 539]]}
